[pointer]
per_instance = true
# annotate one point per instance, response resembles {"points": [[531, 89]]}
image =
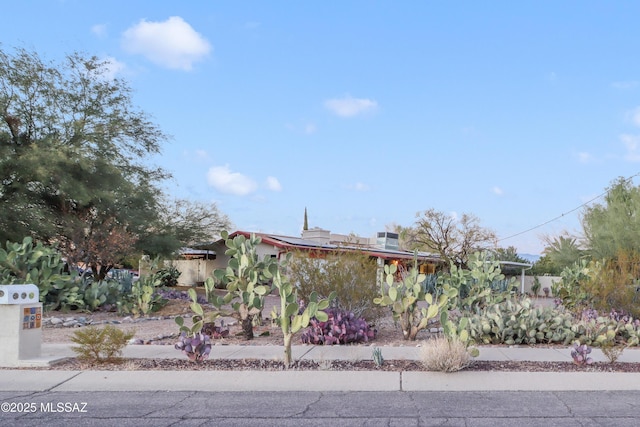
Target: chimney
{"points": [[317, 235], [388, 240]]}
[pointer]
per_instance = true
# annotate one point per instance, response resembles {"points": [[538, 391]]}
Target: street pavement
{"points": [[35, 396], [295, 409]]}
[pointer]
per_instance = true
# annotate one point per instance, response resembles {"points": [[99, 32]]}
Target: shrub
{"points": [[168, 276], [517, 321], [612, 352], [197, 346], [615, 284], [351, 275], [215, 331], [444, 355], [580, 354], [143, 299], [571, 288], [100, 344], [341, 327], [172, 294], [535, 287]]}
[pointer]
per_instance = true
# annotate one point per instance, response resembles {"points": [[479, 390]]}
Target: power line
{"points": [[564, 214]]}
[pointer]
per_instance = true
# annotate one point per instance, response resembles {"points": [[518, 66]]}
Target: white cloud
{"points": [[251, 25], [359, 186], [223, 179], [634, 116], [632, 84], [172, 43], [100, 30], [349, 106], [584, 157], [307, 128], [497, 191], [273, 184], [202, 155], [310, 128], [113, 67], [632, 143]]}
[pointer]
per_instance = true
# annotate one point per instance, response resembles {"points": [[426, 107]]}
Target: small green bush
{"points": [[100, 345], [168, 276]]}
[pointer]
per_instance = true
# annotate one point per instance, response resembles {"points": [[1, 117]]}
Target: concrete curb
{"points": [[322, 380], [319, 381], [519, 381]]}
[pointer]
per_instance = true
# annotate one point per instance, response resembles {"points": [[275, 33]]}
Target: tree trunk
{"points": [[405, 323], [247, 328], [287, 350], [413, 333]]}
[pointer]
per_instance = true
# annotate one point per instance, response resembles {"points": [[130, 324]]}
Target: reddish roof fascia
{"points": [[284, 245]]}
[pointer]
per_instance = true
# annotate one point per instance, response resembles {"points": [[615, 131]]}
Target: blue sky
{"points": [[369, 112]]}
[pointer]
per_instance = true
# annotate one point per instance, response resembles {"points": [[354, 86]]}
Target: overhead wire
{"points": [[565, 213]]}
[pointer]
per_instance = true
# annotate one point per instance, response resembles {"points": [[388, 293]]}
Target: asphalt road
{"points": [[468, 409]]}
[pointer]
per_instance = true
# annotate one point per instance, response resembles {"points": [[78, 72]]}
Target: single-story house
{"points": [[197, 263]]}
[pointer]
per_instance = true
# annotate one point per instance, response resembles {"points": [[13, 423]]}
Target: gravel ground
{"points": [[332, 365], [161, 329]]}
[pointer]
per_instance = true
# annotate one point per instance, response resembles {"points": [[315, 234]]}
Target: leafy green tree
{"points": [[74, 153], [453, 238], [508, 254], [184, 223], [615, 225], [75, 169], [545, 266], [562, 251]]}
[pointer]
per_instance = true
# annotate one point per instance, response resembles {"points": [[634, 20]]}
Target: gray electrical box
{"points": [[21, 320], [19, 294]]}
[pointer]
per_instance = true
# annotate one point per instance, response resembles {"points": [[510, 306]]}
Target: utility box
{"points": [[19, 294], [21, 320]]}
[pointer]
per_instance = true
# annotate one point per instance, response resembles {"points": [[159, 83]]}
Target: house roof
{"points": [[290, 243]]}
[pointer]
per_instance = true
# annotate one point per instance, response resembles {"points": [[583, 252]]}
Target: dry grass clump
{"points": [[612, 352], [443, 355]]}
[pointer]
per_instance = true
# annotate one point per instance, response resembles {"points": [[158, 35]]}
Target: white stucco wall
{"points": [[545, 281], [193, 271]]}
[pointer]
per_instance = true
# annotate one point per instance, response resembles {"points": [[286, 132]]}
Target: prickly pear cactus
{"points": [[245, 279], [27, 262], [290, 319], [403, 296]]}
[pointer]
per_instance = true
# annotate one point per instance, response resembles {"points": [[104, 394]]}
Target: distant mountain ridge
{"points": [[530, 257]]}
